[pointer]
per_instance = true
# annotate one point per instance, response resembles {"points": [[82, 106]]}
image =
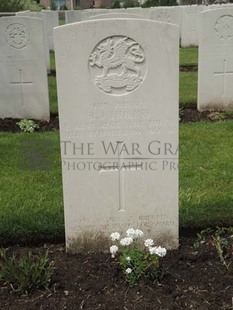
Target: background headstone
{"points": [[23, 78], [73, 16], [86, 14], [170, 15], [45, 32], [218, 6], [52, 22], [126, 96], [215, 60], [143, 12], [189, 25], [115, 15], [82, 15]]}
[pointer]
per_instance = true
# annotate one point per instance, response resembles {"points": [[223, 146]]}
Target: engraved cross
{"points": [[224, 74], [20, 82], [120, 169]]}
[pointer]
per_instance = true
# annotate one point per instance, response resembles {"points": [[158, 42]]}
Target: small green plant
{"points": [[216, 116], [138, 260], [27, 125], [181, 113], [220, 238], [27, 273]]}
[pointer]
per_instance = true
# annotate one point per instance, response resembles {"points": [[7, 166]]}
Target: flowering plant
{"points": [[138, 258]]}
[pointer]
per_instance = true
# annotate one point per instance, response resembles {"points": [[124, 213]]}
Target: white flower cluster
{"points": [[158, 250], [134, 233], [161, 252], [128, 270], [148, 243], [126, 241], [113, 250], [115, 236], [131, 234]]}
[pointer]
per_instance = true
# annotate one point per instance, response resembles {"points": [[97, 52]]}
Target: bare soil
{"points": [[196, 280], [188, 68]]}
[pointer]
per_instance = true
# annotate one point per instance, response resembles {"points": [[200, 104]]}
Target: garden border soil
{"points": [[188, 113], [195, 280]]}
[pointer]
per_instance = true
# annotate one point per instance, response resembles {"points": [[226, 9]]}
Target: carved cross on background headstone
{"points": [[21, 83], [224, 74]]}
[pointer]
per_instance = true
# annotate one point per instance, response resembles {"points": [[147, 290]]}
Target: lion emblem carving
{"points": [[116, 65]]}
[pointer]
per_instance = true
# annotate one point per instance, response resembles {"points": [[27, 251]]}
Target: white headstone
{"points": [[23, 78], [81, 15], [52, 22], [219, 6], [167, 15], [73, 16], [45, 31], [215, 61], [127, 99], [189, 27], [115, 15], [87, 14], [144, 13]]}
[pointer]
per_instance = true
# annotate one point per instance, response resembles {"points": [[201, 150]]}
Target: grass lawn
{"points": [[189, 56], [53, 94], [188, 88], [188, 80], [31, 201], [52, 61], [206, 167], [62, 22], [53, 86]]}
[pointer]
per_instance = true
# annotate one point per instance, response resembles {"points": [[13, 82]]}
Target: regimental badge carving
{"points": [[17, 36], [117, 65], [224, 27]]}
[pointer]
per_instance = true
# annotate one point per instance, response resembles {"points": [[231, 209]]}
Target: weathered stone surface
{"points": [[215, 61], [52, 22], [170, 15], [115, 15], [23, 78], [45, 31], [190, 25], [118, 109]]}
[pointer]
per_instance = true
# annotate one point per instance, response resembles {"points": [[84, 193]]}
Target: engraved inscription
{"points": [[117, 65], [224, 27], [17, 36]]}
